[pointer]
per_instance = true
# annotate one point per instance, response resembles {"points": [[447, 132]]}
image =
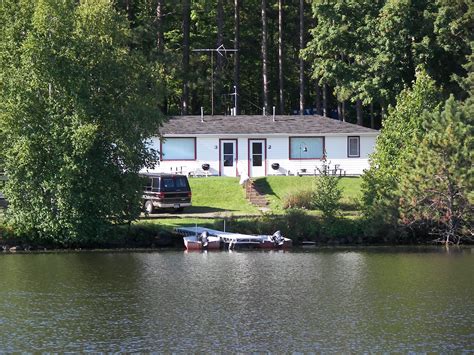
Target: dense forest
{"points": [[344, 59], [84, 84]]}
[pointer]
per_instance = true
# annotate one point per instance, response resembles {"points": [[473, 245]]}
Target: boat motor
{"points": [[278, 239], [203, 238]]}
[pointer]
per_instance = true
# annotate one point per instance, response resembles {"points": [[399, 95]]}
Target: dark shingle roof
{"points": [[259, 125]]}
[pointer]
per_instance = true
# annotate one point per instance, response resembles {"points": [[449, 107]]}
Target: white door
{"points": [[228, 158], [257, 157]]}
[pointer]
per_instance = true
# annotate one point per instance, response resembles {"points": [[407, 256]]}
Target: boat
{"points": [[199, 238], [275, 241], [202, 241]]}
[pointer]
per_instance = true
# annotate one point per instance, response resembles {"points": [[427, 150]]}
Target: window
{"points": [[257, 154], [353, 147], [174, 183], [228, 154], [178, 149], [152, 184], [306, 147]]}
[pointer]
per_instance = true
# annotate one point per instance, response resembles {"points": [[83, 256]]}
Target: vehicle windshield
{"points": [[177, 183]]}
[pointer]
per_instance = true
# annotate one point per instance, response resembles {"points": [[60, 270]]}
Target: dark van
{"points": [[166, 191]]}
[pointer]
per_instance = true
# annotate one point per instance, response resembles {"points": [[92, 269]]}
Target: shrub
{"points": [[299, 226], [327, 193], [299, 199]]}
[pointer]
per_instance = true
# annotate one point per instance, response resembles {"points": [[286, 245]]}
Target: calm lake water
{"points": [[373, 299]]}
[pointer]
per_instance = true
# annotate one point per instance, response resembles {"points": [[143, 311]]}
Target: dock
{"points": [[230, 240]]}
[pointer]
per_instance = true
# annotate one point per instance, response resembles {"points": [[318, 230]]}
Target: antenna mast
{"points": [[220, 50]]}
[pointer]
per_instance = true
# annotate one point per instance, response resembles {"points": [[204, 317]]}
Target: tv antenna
{"points": [[221, 50]]}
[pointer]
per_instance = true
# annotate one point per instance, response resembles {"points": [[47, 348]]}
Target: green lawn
{"points": [[224, 194], [219, 194], [171, 223], [226, 197], [277, 187]]}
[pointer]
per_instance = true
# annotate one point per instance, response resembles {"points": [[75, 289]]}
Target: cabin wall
{"points": [[277, 151]]}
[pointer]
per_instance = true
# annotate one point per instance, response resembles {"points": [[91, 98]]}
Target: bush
{"points": [[300, 226], [299, 199], [327, 193]]}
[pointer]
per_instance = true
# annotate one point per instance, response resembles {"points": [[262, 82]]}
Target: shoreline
{"points": [[297, 249], [150, 234]]}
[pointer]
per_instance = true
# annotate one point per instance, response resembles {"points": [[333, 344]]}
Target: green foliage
{"points": [[437, 178], [341, 48], [327, 193], [403, 125], [370, 50], [299, 199], [454, 34], [76, 108]]}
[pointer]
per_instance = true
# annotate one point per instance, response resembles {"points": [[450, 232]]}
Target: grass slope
{"points": [[219, 194], [278, 187]]}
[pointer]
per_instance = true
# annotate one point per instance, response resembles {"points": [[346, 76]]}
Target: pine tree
{"points": [[437, 177], [403, 124]]}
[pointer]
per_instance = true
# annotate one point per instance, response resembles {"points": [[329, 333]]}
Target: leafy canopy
{"points": [[77, 105]]}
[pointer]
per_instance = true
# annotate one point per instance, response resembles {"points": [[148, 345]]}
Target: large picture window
{"points": [[178, 149], [306, 147], [353, 147]]}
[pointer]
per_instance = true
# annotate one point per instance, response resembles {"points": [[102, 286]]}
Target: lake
{"points": [[330, 300]]}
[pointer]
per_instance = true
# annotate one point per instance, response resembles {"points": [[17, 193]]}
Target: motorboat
{"points": [[199, 238], [275, 241], [202, 241]]}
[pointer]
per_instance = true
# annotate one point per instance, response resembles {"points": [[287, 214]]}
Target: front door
{"points": [[257, 157], [228, 159]]}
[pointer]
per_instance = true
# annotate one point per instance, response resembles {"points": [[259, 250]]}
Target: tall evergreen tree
{"points": [[237, 55], [438, 176], [402, 126], [280, 58], [185, 63], [301, 60], [265, 79]]}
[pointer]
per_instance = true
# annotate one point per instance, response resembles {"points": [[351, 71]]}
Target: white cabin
{"points": [[251, 145]]}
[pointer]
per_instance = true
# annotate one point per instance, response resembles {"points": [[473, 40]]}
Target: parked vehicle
{"points": [[166, 191]]}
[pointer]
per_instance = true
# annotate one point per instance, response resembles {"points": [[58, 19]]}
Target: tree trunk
{"points": [[325, 100], [160, 45], [372, 118], [318, 100], [360, 119], [237, 55], [220, 41], [264, 56], [129, 9], [280, 56], [343, 108], [339, 111], [382, 112], [160, 40], [301, 58], [185, 67]]}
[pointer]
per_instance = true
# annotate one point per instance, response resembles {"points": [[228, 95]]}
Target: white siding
{"points": [[207, 151]]}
